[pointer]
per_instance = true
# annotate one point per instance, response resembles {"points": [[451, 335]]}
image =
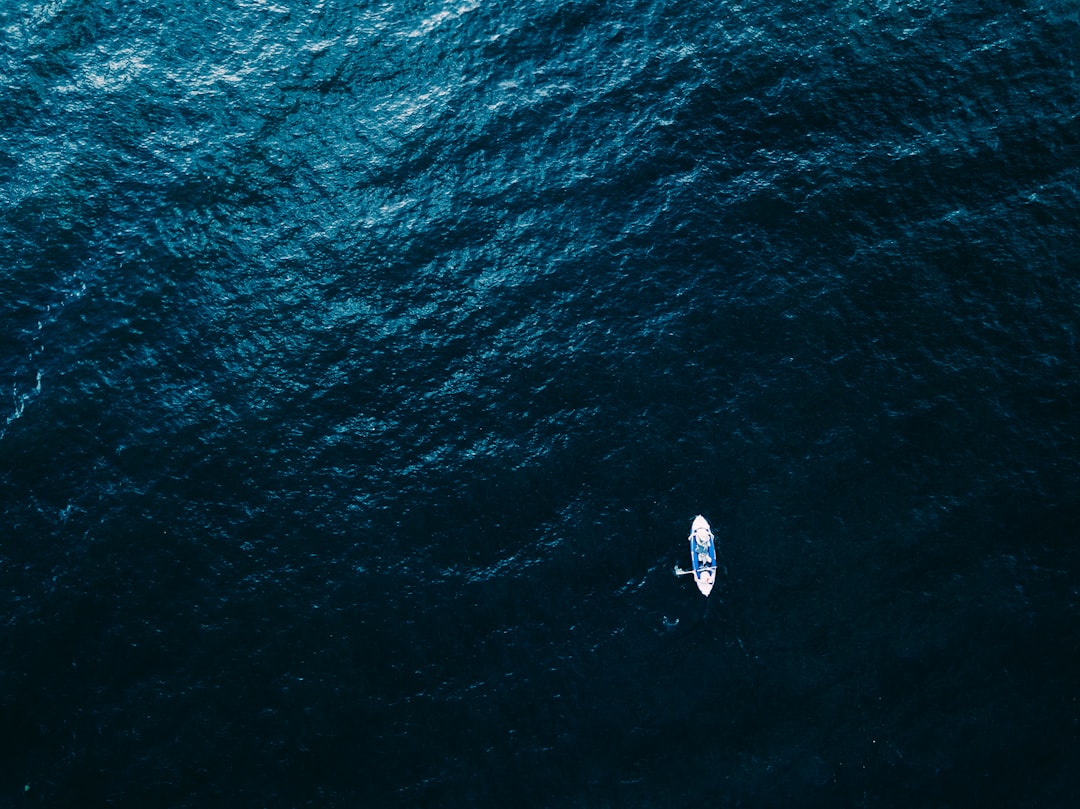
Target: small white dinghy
{"points": [[702, 556]]}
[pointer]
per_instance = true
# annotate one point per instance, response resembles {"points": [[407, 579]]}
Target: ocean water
{"points": [[363, 365]]}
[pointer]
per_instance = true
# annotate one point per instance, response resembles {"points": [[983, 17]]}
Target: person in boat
{"points": [[704, 556]]}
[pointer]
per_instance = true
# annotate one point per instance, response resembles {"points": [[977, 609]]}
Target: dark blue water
{"points": [[362, 366]]}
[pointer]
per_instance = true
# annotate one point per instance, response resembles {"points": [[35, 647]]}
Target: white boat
{"points": [[702, 555]]}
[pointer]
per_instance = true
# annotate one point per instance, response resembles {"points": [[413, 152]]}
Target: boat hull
{"points": [[703, 555]]}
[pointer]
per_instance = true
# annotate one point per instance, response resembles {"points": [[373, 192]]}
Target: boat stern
{"points": [[705, 582]]}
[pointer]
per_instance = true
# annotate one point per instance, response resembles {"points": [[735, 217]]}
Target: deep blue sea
{"points": [[364, 364]]}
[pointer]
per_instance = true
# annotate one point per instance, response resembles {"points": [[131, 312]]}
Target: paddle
{"points": [[680, 572]]}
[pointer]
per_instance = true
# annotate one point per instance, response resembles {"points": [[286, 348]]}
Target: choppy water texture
{"points": [[364, 364]]}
